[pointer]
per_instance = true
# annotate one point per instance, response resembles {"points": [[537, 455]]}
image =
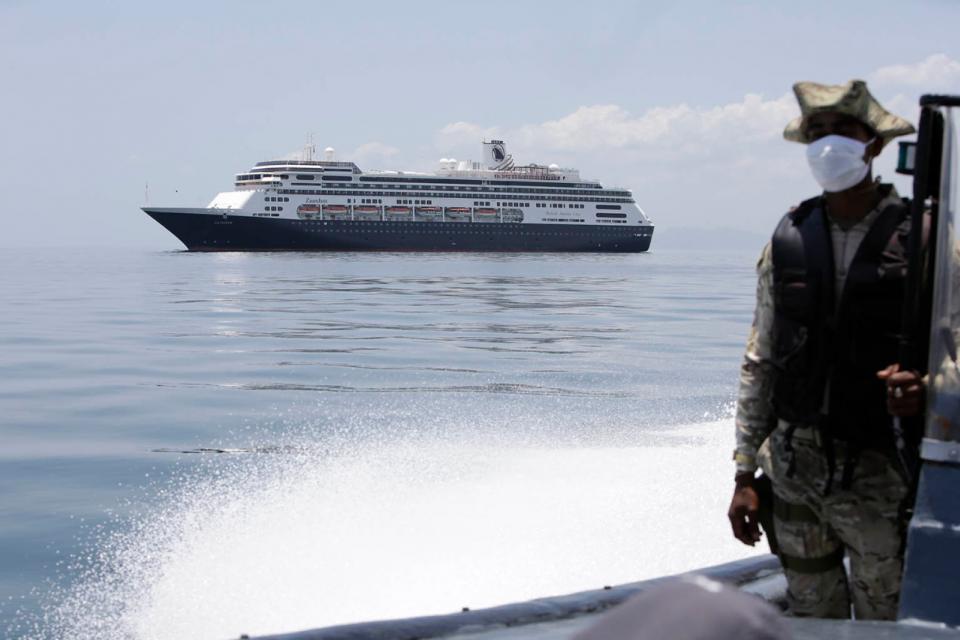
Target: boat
{"points": [[308, 211], [457, 214], [492, 205]]}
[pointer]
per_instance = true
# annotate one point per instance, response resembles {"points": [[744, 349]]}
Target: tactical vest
{"points": [[827, 354]]}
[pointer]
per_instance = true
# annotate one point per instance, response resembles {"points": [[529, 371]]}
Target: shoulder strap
{"points": [[880, 237], [802, 252], [805, 208]]}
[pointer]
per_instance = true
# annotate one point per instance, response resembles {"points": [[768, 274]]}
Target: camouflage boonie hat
{"points": [[853, 99]]}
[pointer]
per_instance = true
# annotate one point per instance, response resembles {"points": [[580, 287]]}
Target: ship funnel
{"points": [[495, 155]]}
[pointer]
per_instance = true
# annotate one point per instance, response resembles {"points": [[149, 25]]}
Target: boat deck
{"points": [[801, 628], [562, 617]]}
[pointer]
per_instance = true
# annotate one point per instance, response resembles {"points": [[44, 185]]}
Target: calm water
{"points": [[405, 434]]}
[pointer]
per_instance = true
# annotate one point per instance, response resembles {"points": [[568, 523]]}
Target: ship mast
{"points": [[309, 149]]}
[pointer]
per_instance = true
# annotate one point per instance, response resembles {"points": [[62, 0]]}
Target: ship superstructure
{"points": [[492, 205]]}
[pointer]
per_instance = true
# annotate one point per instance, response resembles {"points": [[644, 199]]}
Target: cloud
{"points": [[937, 72], [610, 126], [682, 130], [373, 152], [458, 133]]}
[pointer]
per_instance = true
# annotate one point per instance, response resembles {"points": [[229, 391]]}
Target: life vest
{"points": [[827, 354]]}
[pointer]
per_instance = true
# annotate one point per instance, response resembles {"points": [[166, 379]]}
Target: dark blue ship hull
{"points": [[208, 232]]}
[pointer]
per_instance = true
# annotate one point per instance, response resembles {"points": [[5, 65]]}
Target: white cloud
{"points": [[937, 72], [457, 133], [682, 130], [373, 152], [610, 126]]}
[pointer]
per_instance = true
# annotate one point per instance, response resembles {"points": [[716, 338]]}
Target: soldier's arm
{"points": [[754, 413], [754, 417]]}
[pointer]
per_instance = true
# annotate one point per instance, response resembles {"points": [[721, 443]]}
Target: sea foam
{"points": [[308, 536]]}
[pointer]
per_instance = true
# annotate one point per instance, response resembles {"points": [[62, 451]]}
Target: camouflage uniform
{"points": [[814, 530]]}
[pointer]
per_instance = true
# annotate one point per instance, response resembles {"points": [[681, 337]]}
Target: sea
{"points": [[204, 445]]}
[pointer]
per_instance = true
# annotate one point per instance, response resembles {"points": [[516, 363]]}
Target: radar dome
{"points": [[554, 166]]}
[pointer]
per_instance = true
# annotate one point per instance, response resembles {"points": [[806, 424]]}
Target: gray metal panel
{"points": [[943, 397], [813, 629], [931, 580]]}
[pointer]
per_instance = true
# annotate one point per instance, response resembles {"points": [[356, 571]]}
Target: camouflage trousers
{"points": [[814, 531]]}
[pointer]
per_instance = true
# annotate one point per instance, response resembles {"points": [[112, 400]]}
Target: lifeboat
{"points": [[464, 210], [334, 208], [428, 209], [485, 211], [366, 209], [398, 210], [308, 210]]}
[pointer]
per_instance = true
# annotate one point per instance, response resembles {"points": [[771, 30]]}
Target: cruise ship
{"points": [[493, 205]]}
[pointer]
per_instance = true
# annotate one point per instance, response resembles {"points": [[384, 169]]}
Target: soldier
{"points": [[817, 388]]}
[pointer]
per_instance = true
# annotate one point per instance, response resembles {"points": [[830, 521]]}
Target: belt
{"points": [[802, 432], [811, 434]]}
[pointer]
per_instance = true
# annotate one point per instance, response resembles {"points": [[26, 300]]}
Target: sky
{"points": [[107, 106]]}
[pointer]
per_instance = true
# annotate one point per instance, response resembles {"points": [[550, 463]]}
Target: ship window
{"points": [[304, 177]]}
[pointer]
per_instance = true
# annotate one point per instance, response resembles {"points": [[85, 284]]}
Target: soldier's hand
{"points": [[743, 512], [905, 391]]}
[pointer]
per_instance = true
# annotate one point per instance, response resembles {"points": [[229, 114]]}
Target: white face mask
{"points": [[837, 162]]}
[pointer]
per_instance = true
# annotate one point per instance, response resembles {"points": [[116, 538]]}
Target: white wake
{"points": [[280, 542]]}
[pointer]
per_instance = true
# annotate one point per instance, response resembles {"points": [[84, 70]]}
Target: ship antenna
{"points": [[146, 193], [310, 149]]}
